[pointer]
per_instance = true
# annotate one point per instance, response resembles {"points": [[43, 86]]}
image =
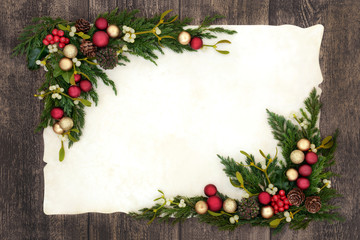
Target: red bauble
{"points": [[74, 91], [303, 183], [215, 203], [57, 113], [264, 198], [85, 85], [77, 77], [101, 39], [305, 170], [311, 158], [101, 23], [196, 43], [210, 190]]}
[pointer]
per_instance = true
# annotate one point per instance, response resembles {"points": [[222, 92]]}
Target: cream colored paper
{"points": [[168, 122]]}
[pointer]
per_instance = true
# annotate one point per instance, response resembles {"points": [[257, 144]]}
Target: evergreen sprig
{"points": [[252, 177]]}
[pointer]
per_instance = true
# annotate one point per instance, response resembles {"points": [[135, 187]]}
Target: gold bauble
{"points": [[201, 207], [184, 38], [292, 174], [230, 205], [65, 64], [297, 156], [303, 144], [57, 129], [267, 212], [66, 123], [113, 31], [70, 51]]}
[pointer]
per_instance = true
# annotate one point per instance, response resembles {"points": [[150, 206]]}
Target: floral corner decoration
{"points": [[294, 190], [74, 54]]}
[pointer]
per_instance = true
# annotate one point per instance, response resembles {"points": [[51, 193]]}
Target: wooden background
{"points": [[21, 165]]}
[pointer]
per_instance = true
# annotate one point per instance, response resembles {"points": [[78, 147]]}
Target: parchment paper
{"points": [[168, 122]]}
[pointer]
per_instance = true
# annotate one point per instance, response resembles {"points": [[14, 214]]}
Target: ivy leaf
{"points": [[214, 213], [275, 223], [62, 152], [66, 76], [36, 54], [240, 178]]}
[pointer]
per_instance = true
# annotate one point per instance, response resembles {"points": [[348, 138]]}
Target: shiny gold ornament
{"points": [[57, 129], [113, 31], [303, 144], [201, 207], [297, 156], [65, 64], [230, 205], [292, 174], [66, 123], [184, 38], [70, 51], [267, 212]]}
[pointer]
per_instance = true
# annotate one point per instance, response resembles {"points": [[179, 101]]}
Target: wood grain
{"points": [[21, 165]]}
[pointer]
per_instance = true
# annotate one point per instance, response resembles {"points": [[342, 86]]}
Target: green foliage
{"points": [[251, 177]]}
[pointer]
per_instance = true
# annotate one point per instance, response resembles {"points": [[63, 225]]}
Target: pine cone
{"points": [[313, 204], [296, 197], [82, 25], [88, 48], [248, 208], [107, 58]]}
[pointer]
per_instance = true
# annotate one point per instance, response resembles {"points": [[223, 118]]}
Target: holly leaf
{"points": [[36, 54]]}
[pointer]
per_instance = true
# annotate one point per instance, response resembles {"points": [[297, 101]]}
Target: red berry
{"points": [[264, 198], [303, 183], [85, 85], [49, 37], [286, 201], [101, 23], [101, 39], [210, 190], [282, 197], [57, 113], [56, 38], [276, 212], [215, 203], [60, 33], [273, 204], [74, 91], [54, 32], [52, 42], [311, 158], [196, 43], [281, 209], [276, 207], [62, 39], [276, 198], [45, 42], [77, 77], [61, 45], [282, 193], [280, 203], [67, 40], [286, 206]]}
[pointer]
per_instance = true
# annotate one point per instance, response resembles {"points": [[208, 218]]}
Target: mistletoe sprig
{"points": [[71, 53], [256, 178]]}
